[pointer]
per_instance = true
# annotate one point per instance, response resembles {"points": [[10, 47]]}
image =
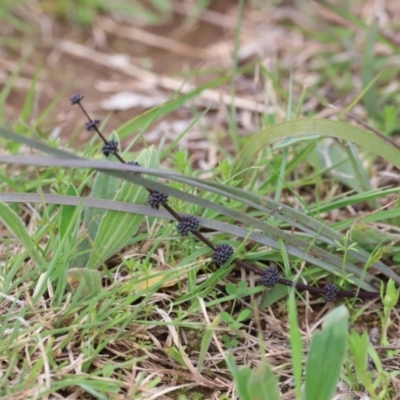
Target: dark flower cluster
{"points": [[76, 98], [92, 125], [111, 147], [156, 199], [190, 224], [270, 277], [222, 254], [331, 292]]}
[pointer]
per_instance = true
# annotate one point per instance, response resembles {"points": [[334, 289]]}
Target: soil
{"points": [[61, 73]]}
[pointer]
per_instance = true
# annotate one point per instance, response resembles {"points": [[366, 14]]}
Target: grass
{"points": [[101, 298]]}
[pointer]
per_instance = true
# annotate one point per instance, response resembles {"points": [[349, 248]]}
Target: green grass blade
{"points": [[28, 107], [295, 344], [67, 212], [6, 90], [367, 71], [377, 144], [233, 120], [206, 341]]}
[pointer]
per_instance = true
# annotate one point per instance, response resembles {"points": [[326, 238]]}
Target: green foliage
{"points": [[390, 299], [295, 344], [304, 127], [362, 355], [258, 384], [294, 245], [112, 230], [326, 355], [235, 323], [323, 367], [206, 341]]}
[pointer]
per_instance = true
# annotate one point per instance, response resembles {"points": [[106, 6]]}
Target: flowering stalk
{"points": [[222, 253]]}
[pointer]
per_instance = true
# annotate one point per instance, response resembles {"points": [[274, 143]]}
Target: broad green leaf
{"points": [[84, 282], [241, 377], [116, 228], [14, 224], [262, 384], [326, 355], [104, 187], [273, 295]]}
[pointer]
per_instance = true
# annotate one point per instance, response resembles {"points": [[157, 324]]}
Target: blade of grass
{"points": [[377, 144], [295, 344], [367, 71], [232, 121]]}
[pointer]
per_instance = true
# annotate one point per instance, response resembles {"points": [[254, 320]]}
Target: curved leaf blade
{"points": [[379, 145]]}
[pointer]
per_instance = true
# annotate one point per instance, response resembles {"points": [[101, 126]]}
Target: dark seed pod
{"points": [[76, 98], [111, 147], [270, 277], [223, 253], [188, 224], [331, 291], [156, 199], [134, 163], [92, 125]]}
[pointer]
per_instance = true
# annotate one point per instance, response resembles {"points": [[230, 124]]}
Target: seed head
{"points": [[331, 291], [270, 277], [134, 163], [92, 125], [111, 147], [188, 224], [156, 199], [223, 253], [76, 98]]}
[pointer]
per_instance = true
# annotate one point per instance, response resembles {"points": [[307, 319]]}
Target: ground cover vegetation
{"points": [[199, 200]]}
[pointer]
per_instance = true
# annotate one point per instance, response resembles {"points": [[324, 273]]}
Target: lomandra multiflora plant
{"points": [[224, 252]]}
